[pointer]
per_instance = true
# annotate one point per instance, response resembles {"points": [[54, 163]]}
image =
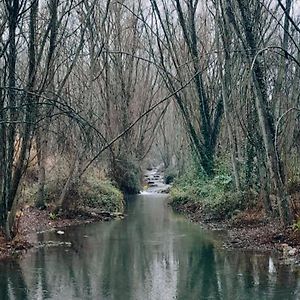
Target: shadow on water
{"points": [[152, 254]]}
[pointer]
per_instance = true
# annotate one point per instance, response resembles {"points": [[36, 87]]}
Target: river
{"points": [[154, 253]]}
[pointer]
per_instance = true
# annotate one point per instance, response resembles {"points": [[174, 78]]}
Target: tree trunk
{"points": [[264, 184], [225, 76], [265, 119], [41, 149], [12, 7], [70, 185]]}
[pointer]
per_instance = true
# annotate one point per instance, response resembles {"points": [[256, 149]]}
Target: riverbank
{"points": [[95, 199], [32, 220], [156, 247], [247, 230]]}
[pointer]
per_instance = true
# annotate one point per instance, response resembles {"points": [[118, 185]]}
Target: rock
{"points": [[235, 241], [165, 191], [288, 250], [54, 244], [292, 252], [118, 215], [105, 214], [284, 249], [278, 237]]}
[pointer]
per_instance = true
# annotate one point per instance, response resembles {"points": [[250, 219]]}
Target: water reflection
{"points": [[153, 254]]}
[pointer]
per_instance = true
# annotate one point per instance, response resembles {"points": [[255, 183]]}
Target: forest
{"points": [[123, 120], [92, 93]]}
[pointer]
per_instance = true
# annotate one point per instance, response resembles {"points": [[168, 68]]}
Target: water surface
{"points": [[152, 254]]}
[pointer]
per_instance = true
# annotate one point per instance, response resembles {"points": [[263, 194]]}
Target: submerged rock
{"points": [[53, 244], [292, 252], [288, 250]]}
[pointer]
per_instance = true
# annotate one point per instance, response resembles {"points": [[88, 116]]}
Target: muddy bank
{"points": [[32, 220], [249, 230]]}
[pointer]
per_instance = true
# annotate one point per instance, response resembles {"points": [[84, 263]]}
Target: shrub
{"points": [[101, 194], [216, 196], [93, 191], [126, 174], [170, 175]]}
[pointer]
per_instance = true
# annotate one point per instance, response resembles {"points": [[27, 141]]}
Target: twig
{"points": [[137, 120]]}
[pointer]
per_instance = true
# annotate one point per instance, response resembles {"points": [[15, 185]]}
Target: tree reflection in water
{"points": [[152, 254]]}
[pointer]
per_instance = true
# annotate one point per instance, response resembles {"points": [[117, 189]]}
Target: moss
{"points": [[91, 192]]}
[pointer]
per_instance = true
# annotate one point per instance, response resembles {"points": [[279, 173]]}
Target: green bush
{"points": [[217, 196], [126, 173], [170, 175], [101, 194], [53, 188], [91, 192]]}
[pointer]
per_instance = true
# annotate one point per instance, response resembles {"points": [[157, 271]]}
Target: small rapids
{"points": [[154, 182]]}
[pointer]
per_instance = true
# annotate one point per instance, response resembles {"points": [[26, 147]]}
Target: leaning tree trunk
{"points": [[225, 75], [17, 165], [71, 184], [264, 183], [41, 149], [265, 118], [12, 8]]}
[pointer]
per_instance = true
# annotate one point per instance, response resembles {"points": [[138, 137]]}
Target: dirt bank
{"points": [[32, 220], [249, 230]]}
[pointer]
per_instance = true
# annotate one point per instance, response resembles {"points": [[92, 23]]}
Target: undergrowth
{"points": [[215, 197], [93, 191], [101, 194], [126, 173]]}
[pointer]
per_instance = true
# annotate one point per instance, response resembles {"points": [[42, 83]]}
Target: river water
{"points": [[154, 253]]}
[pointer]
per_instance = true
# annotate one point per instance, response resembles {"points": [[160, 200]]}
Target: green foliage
{"points": [[101, 194], [91, 192], [53, 216], [296, 226], [170, 175], [293, 173], [215, 196], [53, 188], [126, 174]]}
